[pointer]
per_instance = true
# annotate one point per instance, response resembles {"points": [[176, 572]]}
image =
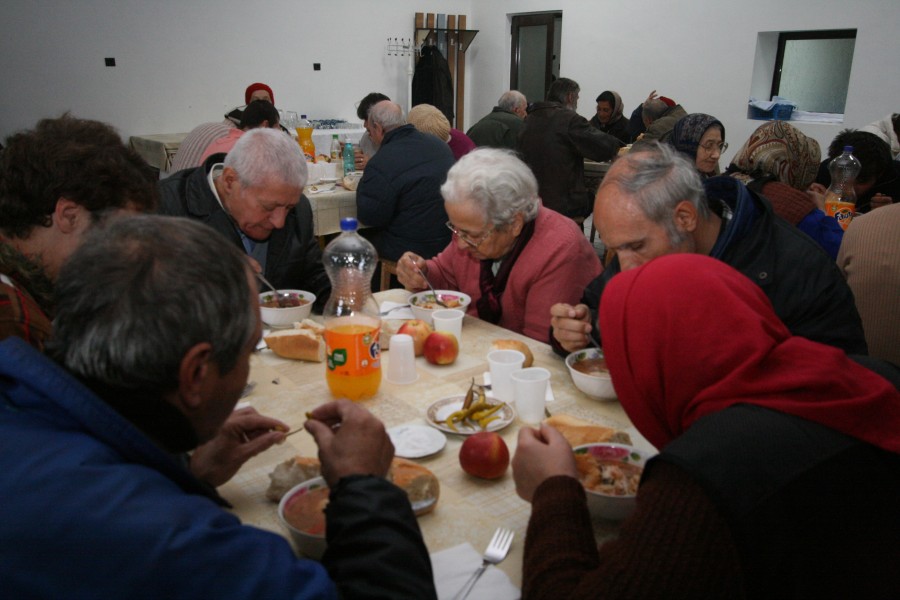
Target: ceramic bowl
{"points": [[596, 385], [300, 507], [612, 506], [287, 316], [422, 304]]}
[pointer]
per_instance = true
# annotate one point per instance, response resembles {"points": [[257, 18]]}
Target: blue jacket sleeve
{"points": [[824, 230]]}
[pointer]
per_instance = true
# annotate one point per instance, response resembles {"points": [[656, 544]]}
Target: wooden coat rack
{"points": [[449, 34]]}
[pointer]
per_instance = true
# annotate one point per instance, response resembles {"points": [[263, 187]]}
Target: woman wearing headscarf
{"points": [[701, 138], [609, 118], [514, 257], [779, 473], [780, 163]]}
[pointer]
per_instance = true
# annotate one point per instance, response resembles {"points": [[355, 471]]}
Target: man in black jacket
{"points": [[652, 203], [254, 198], [555, 142]]}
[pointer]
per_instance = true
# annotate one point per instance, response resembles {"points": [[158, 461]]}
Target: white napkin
{"points": [[549, 397], [400, 313], [453, 567]]}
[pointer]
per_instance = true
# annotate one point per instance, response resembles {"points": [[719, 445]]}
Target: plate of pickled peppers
{"points": [[470, 413]]}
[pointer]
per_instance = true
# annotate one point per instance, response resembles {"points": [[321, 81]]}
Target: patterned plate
{"points": [[437, 414]]}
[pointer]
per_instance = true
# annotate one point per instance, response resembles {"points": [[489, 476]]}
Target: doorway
{"points": [[535, 53]]}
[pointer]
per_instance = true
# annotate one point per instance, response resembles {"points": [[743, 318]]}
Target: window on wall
{"points": [[812, 68], [809, 68]]}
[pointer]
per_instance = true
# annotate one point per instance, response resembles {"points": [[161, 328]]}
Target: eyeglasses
{"points": [[712, 147], [473, 241]]}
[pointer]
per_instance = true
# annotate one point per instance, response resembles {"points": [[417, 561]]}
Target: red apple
{"points": [[484, 455], [441, 348], [418, 330]]}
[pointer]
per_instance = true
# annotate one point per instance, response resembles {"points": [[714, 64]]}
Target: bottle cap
{"points": [[349, 224], [848, 149]]}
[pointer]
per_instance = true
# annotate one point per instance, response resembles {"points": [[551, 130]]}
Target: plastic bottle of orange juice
{"points": [[352, 323], [304, 138]]}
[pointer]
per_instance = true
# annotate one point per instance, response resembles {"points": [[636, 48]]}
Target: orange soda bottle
{"points": [[304, 138], [352, 323], [840, 199]]}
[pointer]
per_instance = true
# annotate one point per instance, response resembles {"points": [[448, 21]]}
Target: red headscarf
{"points": [[686, 335], [253, 87]]}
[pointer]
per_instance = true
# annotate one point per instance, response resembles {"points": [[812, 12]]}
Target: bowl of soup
{"points": [[302, 512], [423, 304], [590, 373], [296, 307], [611, 474]]}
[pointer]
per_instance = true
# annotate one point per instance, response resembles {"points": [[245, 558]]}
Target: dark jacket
{"points": [[661, 128], [293, 258], [94, 509], [400, 193], [432, 83], [796, 503], [555, 143], [618, 129], [805, 286], [498, 129]]}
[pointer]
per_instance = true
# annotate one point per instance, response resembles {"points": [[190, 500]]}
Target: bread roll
{"points": [[578, 432], [290, 473], [515, 345], [304, 342], [420, 484]]}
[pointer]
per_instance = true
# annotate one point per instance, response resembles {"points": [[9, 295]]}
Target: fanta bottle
{"points": [[352, 323], [840, 199], [304, 138]]}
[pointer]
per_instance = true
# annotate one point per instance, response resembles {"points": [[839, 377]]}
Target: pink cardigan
{"points": [[555, 266]]}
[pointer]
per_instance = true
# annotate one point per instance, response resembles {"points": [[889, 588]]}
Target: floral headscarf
{"points": [[780, 150]]}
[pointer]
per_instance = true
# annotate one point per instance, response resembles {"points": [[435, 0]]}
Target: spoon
{"points": [[437, 297], [282, 298]]}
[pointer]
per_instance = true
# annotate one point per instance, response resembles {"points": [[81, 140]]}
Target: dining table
{"points": [[329, 207], [469, 509]]}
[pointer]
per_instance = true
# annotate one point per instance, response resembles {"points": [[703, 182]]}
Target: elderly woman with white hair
{"points": [[514, 257]]}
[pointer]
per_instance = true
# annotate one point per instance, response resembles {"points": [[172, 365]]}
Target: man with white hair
{"points": [[255, 199], [400, 190], [501, 127]]}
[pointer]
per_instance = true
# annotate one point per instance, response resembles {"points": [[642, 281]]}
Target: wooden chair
{"points": [[388, 268]]}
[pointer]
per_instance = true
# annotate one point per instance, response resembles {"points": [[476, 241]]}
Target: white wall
{"points": [[698, 52], [182, 63]]}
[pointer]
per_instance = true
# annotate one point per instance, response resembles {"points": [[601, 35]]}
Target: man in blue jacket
{"points": [[157, 319], [400, 190]]}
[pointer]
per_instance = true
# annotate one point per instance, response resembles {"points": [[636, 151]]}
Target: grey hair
{"points": [[497, 181], [658, 178], [561, 88], [653, 109], [387, 114], [140, 292], [264, 155], [512, 100]]}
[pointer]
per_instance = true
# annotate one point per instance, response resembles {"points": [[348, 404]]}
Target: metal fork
{"points": [[390, 310], [495, 552]]}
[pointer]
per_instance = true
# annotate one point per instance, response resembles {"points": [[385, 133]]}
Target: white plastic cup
{"points": [[401, 362], [450, 320], [530, 390], [502, 363]]}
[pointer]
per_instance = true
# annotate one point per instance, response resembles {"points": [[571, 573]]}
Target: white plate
{"points": [[437, 414], [416, 441]]}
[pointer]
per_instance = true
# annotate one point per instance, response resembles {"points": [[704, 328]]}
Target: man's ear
{"points": [[686, 217], [193, 373], [68, 214], [229, 179]]}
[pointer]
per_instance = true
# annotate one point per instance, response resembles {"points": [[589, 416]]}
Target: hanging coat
{"points": [[432, 83]]}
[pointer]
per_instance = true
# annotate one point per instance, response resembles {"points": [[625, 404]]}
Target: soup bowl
{"points": [[301, 511], [589, 374], [286, 316], [610, 474]]}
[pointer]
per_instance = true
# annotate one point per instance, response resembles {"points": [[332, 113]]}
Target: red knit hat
{"points": [[253, 87], [668, 101]]}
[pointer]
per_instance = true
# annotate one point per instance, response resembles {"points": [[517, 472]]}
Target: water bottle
{"points": [[337, 160], [840, 199], [352, 322], [349, 160], [304, 138]]}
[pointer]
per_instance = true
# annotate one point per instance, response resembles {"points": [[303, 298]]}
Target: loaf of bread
{"points": [[420, 484], [515, 345], [303, 342], [578, 432]]}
